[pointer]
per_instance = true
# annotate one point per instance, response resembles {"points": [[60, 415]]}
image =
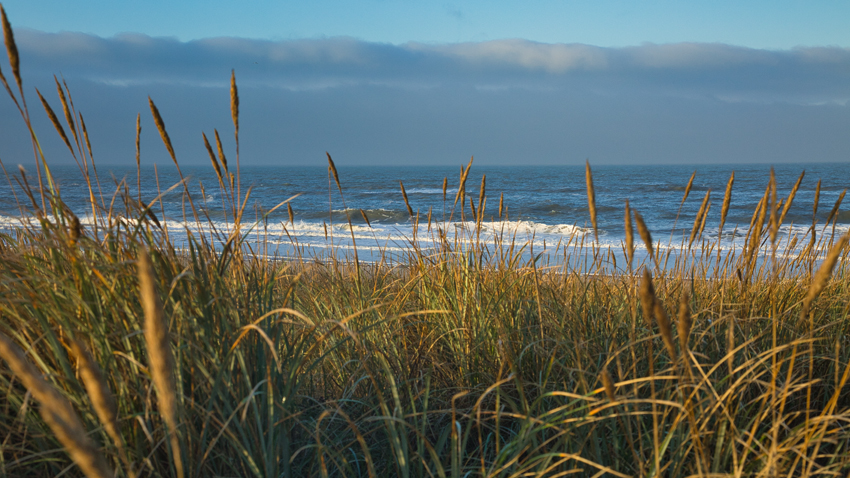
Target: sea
{"points": [[544, 208]]}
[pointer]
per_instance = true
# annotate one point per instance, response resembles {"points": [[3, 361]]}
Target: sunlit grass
{"points": [[471, 360]]}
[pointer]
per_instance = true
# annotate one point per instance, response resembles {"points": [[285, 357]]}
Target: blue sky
{"points": [[753, 23], [412, 82]]}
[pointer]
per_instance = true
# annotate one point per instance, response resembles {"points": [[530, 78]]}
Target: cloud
{"points": [[505, 101], [519, 56], [803, 75]]}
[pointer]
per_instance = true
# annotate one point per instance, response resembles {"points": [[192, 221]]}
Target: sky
{"points": [[420, 83]]}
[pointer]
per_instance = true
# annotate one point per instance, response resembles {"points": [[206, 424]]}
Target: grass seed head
{"points": [[630, 234], [332, 168], [824, 273], [815, 204], [57, 412], [220, 149], [75, 230], [727, 200], [102, 398], [608, 384], [774, 220], [234, 102], [699, 217], [501, 204], [213, 160], [55, 120], [591, 197], [11, 48], [689, 186], [837, 205], [86, 137], [69, 118], [644, 234], [647, 297], [160, 358], [406, 202], [138, 140], [160, 126], [684, 326], [481, 196], [665, 329]]}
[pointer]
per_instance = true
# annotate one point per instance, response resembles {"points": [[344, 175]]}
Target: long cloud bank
{"points": [[506, 101], [804, 75]]}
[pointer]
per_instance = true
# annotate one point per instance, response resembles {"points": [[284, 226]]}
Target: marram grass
{"points": [[145, 360]]}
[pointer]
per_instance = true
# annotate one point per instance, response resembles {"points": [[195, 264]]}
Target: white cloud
{"points": [[522, 54], [820, 74]]}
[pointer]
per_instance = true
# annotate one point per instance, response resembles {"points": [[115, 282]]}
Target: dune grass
{"points": [[143, 359]]}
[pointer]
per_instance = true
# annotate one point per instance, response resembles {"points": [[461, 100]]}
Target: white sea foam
{"points": [[395, 239]]}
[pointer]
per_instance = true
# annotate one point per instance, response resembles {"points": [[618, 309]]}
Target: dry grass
{"points": [[468, 361], [56, 411]]}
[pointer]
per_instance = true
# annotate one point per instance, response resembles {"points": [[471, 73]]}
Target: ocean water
{"points": [[546, 205]]}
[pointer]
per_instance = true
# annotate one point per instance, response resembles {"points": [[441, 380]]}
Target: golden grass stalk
{"points": [[291, 213], [461, 189], [55, 120], [102, 398], [727, 200], [630, 235], [757, 227], [139, 155], [160, 126], [234, 103], [730, 344], [501, 204], [11, 49], [445, 187], [824, 273], [688, 187], [644, 234], [481, 192], [472, 208], [406, 202], [57, 412], [591, 198], [665, 328], [76, 230], [608, 385], [69, 118], [213, 160], [704, 218], [834, 209], [751, 229], [685, 321], [481, 208], [332, 168], [774, 220], [815, 205], [790, 198], [698, 218], [415, 228], [160, 358], [647, 297], [221, 157], [88, 143]]}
